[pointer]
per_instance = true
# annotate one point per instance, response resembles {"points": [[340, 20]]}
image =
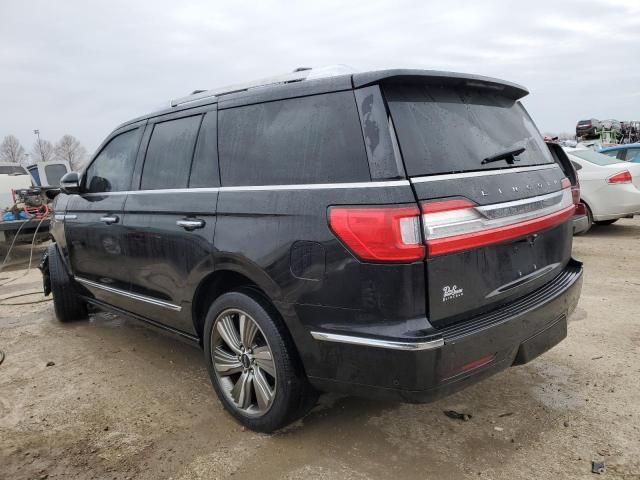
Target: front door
{"points": [[94, 218]]}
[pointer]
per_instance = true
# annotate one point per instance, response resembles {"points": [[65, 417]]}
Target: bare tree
{"points": [[70, 149], [42, 151], [11, 150]]}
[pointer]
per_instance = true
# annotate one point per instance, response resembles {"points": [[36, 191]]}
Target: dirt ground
{"points": [[124, 401]]}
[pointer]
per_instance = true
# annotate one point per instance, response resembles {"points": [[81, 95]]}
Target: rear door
{"points": [[496, 223], [94, 219], [171, 216]]}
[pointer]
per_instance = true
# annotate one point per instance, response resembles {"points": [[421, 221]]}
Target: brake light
{"points": [[581, 209], [458, 224], [385, 234], [622, 177]]}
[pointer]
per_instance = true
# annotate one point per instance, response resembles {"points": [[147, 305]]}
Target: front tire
{"points": [[66, 302], [253, 364]]}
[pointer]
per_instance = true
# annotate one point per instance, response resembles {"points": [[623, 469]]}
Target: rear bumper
{"points": [[580, 224], [435, 366]]}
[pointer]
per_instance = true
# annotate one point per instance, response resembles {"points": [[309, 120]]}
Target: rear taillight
{"points": [[622, 177], [458, 224], [392, 233], [382, 234], [581, 209]]}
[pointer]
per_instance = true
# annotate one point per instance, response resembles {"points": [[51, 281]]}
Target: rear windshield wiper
{"points": [[508, 155]]}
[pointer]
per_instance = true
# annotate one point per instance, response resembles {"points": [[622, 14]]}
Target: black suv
{"points": [[396, 234]]}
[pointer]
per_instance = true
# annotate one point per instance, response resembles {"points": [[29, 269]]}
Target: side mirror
{"points": [[70, 183]]}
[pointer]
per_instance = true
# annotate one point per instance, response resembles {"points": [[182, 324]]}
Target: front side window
{"points": [[112, 169], [169, 154], [315, 139]]}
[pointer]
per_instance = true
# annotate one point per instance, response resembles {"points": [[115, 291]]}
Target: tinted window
{"points": [[111, 170], [314, 139], [168, 159], [54, 173], [12, 170], [204, 172], [443, 129]]}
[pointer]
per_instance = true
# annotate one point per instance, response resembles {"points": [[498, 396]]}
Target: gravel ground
{"points": [[119, 400]]}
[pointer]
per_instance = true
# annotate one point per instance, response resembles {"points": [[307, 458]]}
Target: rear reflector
{"points": [[384, 234], [458, 224], [622, 177]]}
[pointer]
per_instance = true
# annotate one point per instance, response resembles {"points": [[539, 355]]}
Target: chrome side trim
{"points": [[250, 188], [485, 173], [134, 296], [318, 186], [377, 343]]}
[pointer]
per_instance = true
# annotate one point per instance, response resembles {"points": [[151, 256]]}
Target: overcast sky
{"points": [[83, 67]]}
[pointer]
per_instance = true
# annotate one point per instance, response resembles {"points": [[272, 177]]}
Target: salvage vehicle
{"points": [[397, 234], [628, 152], [610, 188], [588, 128], [23, 208]]}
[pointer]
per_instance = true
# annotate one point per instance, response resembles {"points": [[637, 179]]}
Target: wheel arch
{"points": [[219, 282]]}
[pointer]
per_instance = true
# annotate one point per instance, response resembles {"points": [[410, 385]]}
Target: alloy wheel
{"points": [[243, 362]]}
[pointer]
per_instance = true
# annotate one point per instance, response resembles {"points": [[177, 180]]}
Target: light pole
{"points": [[37, 132]]}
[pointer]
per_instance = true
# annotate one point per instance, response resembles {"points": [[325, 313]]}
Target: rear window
{"points": [[314, 139], [54, 173], [12, 170], [445, 130], [594, 157]]}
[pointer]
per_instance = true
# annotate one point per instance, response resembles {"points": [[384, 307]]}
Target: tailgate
{"points": [[495, 230]]}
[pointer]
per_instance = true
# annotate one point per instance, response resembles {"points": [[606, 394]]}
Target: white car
{"points": [[610, 188]]}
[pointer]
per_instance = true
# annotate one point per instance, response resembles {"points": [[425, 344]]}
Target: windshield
{"points": [[594, 157], [443, 129]]}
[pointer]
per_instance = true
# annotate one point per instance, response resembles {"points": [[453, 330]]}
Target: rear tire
{"points": [[604, 223], [589, 220], [66, 302], [262, 384]]}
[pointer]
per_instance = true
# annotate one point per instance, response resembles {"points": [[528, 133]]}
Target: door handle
{"points": [[190, 224], [109, 219]]}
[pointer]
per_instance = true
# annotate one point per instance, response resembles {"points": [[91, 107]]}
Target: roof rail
{"points": [[297, 75]]}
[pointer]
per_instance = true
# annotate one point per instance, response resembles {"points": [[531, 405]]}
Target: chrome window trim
{"points": [[484, 173], [249, 188], [134, 296], [378, 343]]}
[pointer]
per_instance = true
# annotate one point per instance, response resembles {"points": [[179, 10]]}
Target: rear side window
{"points": [[444, 130], [633, 155], [112, 169], [168, 160], [314, 139]]}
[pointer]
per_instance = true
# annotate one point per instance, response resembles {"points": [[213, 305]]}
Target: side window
{"points": [[168, 159], [112, 169], [633, 155], [204, 171], [314, 139], [576, 165]]}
